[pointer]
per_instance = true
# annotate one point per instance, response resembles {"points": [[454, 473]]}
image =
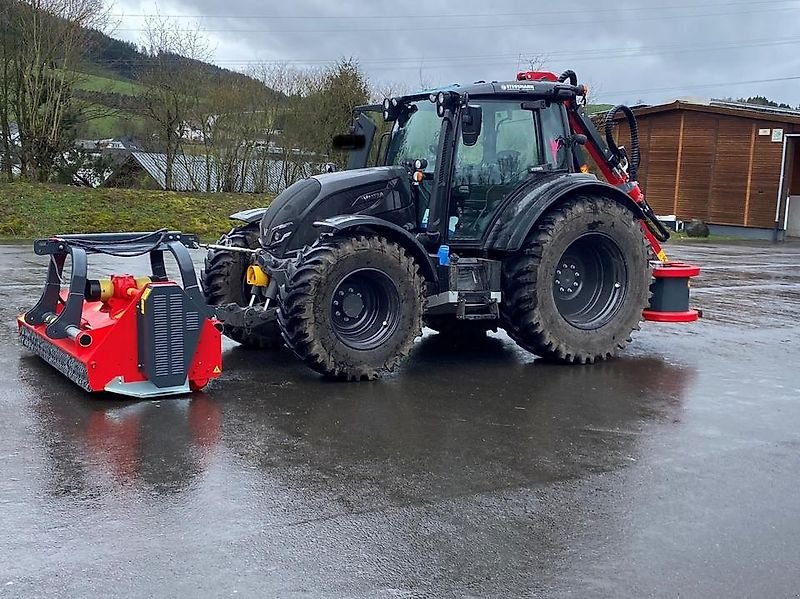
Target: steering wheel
{"points": [[508, 163]]}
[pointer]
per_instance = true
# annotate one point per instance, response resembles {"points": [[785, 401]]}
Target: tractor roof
{"points": [[484, 88]]}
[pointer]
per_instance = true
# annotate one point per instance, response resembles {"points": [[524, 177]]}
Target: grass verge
{"points": [[29, 211]]}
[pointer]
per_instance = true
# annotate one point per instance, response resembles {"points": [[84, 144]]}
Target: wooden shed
{"points": [[735, 166]]}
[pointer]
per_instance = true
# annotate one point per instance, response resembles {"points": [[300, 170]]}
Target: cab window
{"points": [[507, 149], [553, 120]]}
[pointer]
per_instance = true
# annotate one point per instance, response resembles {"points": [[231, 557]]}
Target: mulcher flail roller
{"points": [[137, 336]]}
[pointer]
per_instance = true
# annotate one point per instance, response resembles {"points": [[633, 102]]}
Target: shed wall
{"points": [[715, 167]]}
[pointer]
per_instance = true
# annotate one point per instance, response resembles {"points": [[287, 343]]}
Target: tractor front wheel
{"points": [[576, 290], [352, 307]]}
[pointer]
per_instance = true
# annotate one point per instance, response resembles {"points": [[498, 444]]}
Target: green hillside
{"points": [[95, 83], [108, 82]]}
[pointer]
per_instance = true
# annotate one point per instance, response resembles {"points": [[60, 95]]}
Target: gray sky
{"points": [[637, 50]]}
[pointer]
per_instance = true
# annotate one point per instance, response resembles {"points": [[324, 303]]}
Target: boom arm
{"points": [[615, 169], [610, 159]]}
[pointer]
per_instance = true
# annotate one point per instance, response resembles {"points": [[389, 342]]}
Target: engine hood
{"points": [[288, 222]]}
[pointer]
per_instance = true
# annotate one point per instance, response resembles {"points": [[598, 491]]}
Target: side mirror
{"points": [[471, 121], [349, 143]]}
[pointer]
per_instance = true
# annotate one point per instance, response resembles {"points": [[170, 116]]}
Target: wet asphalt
{"points": [[476, 471]]}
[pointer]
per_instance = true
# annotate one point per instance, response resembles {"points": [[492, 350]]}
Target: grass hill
{"points": [[108, 79], [29, 210]]}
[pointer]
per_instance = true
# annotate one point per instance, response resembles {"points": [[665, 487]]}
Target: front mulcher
{"points": [[141, 336]]}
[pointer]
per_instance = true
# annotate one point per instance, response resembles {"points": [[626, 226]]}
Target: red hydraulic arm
{"points": [[613, 166], [670, 290]]}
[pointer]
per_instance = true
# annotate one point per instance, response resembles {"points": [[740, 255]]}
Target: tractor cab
{"points": [[466, 151]]}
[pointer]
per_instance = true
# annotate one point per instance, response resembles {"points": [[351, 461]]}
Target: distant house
{"points": [[191, 132], [99, 158], [736, 166], [196, 173], [128, 144]]}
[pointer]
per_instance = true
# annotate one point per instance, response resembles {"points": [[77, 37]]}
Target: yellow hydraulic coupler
{"points": [[256, 277]]}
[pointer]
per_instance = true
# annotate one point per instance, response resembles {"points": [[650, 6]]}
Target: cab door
{"points": [[369, 123], [515, 144], [484, 173]]}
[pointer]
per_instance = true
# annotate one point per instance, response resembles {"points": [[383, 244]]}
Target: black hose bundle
{"points": [[635, 157], [136, 246], [569, 74], [656, 227]]}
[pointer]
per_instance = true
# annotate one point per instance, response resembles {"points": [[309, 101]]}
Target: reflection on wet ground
{"points": [[474, 471]]}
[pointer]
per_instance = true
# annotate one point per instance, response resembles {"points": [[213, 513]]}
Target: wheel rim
{"points": [[590, 281], [365, 309]]}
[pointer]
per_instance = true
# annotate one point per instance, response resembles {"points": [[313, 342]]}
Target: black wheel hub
{"points": [[568, 278], [352, 304], [590, 281], [365, 309]]}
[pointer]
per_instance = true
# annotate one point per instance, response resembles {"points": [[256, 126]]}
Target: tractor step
{"points": [[469, 288]]}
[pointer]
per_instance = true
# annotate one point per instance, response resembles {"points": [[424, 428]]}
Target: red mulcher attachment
{"points": [[136, 336]]}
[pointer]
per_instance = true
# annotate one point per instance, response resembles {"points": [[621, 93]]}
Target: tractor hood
{"points": [[288, 223]]}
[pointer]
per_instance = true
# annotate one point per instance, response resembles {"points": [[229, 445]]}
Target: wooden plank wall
{"points": [[698, 165], [698, 162]]}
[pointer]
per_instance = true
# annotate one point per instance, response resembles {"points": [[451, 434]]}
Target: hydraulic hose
{"points": [[634, 158], [569, 74], [656, 226]]}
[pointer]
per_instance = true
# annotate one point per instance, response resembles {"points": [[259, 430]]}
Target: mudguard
{"points": [[252, 215], [526, 206], [340, 224]]}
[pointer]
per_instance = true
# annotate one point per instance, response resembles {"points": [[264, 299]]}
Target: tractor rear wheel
{"points": [[576, 290], [223, 282], [352, 308]]}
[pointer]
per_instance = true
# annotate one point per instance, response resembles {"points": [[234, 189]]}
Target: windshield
{"points": [[417, 137]]}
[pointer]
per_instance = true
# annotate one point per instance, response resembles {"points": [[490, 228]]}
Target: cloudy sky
{"points": [[632, 50]]}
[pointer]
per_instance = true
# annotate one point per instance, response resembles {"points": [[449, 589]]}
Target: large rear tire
{"points": [[224, 283], [352, 308], [576, 290]]}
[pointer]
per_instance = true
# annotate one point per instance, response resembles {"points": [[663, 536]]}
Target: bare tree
{"points": [[387, 89], [293, 118], [8, 40], [43, 43], [171, 75], [536, 62]]}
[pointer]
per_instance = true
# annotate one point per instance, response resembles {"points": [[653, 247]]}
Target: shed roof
{"points": [[189, 172], [740, 109]]}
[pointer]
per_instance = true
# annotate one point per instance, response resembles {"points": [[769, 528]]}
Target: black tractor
{"points": [[464, 209]]}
